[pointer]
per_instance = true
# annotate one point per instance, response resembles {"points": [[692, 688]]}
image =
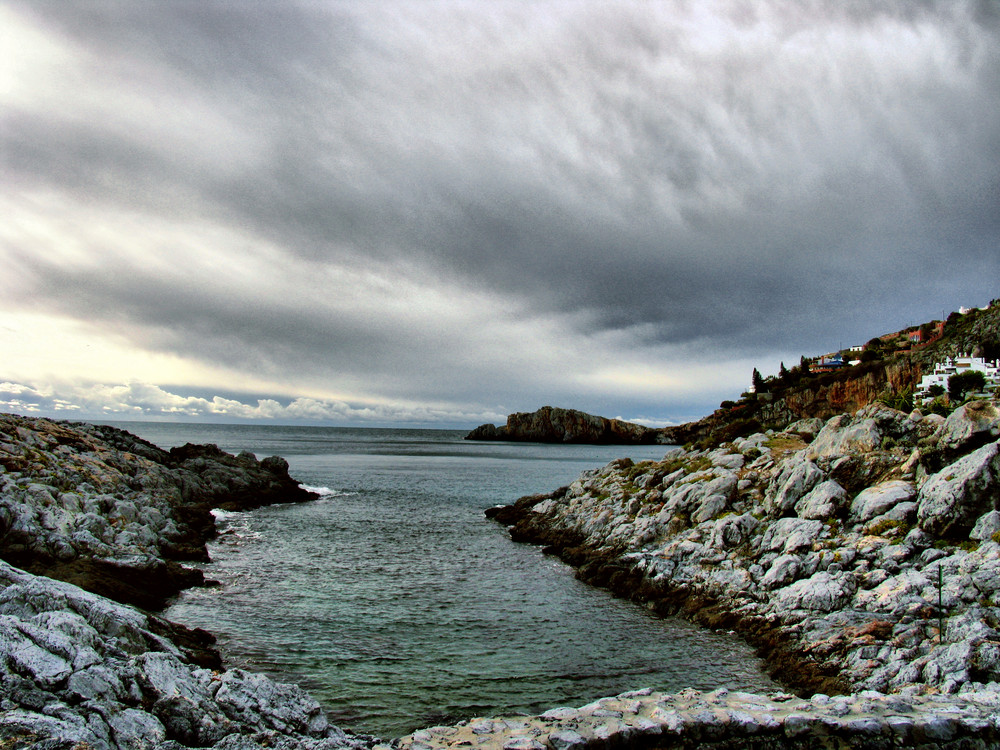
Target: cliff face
{"points": [[837, 396], [820, 397], [554, 425]]}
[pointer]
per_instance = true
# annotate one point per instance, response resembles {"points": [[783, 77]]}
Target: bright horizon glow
{"points": [[407, 213]]}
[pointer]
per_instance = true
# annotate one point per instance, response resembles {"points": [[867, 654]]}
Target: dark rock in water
{"points": [[239, 482], [487, 432], [554, 425]]}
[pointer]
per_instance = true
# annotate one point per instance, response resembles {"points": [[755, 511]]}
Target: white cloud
{"points": [[137, 400], [437, 209]]}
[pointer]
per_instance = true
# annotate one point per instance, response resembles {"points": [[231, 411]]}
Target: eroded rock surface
{"points": [[80, 671], [101, 508], [840, 552], [724, 720]]}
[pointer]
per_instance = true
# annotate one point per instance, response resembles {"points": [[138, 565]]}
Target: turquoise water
{"points": [[399, 606]]}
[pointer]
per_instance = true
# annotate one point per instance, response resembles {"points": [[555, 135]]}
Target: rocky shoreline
{"points": [[859, 554], [862, 555], [95, 523]]}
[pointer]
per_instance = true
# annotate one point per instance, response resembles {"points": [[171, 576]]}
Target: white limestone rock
{"points": [[879, 499], [797, 477], [822, 592], [789, 535], [986, 527], [783, 571], [960, 493], [976, 421], [822, 502], [843, 435]]}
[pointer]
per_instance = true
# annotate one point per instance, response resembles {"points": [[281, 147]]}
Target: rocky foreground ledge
{"points": [[724, 720]]}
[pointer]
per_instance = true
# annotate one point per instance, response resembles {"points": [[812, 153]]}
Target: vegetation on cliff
{"points": [[887, 371]]}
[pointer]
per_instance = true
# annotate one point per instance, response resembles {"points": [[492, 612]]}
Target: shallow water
{"points": [[398, 605]]}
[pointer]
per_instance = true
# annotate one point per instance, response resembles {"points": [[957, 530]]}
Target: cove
{"points": [[398, 606]]}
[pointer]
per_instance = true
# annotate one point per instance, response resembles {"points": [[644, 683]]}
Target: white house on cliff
{"points": [[952, 366]]}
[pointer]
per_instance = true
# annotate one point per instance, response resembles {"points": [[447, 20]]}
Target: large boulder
{"points": [[823, 592], [880, 499], [797, 477], [950, 501], [823, 501], [845, 434], [969, 426]]}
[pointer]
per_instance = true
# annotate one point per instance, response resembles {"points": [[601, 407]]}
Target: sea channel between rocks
{"points": [[827, 537]]}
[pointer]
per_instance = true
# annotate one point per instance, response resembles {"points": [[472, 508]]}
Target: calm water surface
{"points": [[399, 606]]}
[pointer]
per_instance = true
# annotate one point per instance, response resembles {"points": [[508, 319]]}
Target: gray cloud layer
{"points": [[486, 204]]}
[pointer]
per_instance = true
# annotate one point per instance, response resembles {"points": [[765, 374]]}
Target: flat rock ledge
{"points": [[722, 720]]}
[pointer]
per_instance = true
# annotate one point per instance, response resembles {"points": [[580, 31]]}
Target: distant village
{"points": [[932, 385]]}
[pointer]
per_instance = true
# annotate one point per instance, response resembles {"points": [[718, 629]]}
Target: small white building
{"points": [[952, 366]]}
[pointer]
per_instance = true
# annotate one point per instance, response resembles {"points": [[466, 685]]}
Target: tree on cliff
{"points": [[965, 382], [757, 381]]}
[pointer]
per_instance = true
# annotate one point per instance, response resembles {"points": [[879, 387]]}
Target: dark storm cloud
{"points": [[696, 177]]}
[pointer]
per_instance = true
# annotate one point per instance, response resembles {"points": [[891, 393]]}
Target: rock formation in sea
{"points": [[553, 425]]}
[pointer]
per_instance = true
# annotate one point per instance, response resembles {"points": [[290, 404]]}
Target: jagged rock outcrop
{"points": [[80, 671], [105, 510], [839, 557], [554, 425]]}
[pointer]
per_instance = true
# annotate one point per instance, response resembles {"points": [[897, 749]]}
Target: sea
{"points": [[398, 605]]}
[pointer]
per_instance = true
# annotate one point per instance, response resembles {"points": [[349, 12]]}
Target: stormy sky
{"points": [[440, 212]]}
